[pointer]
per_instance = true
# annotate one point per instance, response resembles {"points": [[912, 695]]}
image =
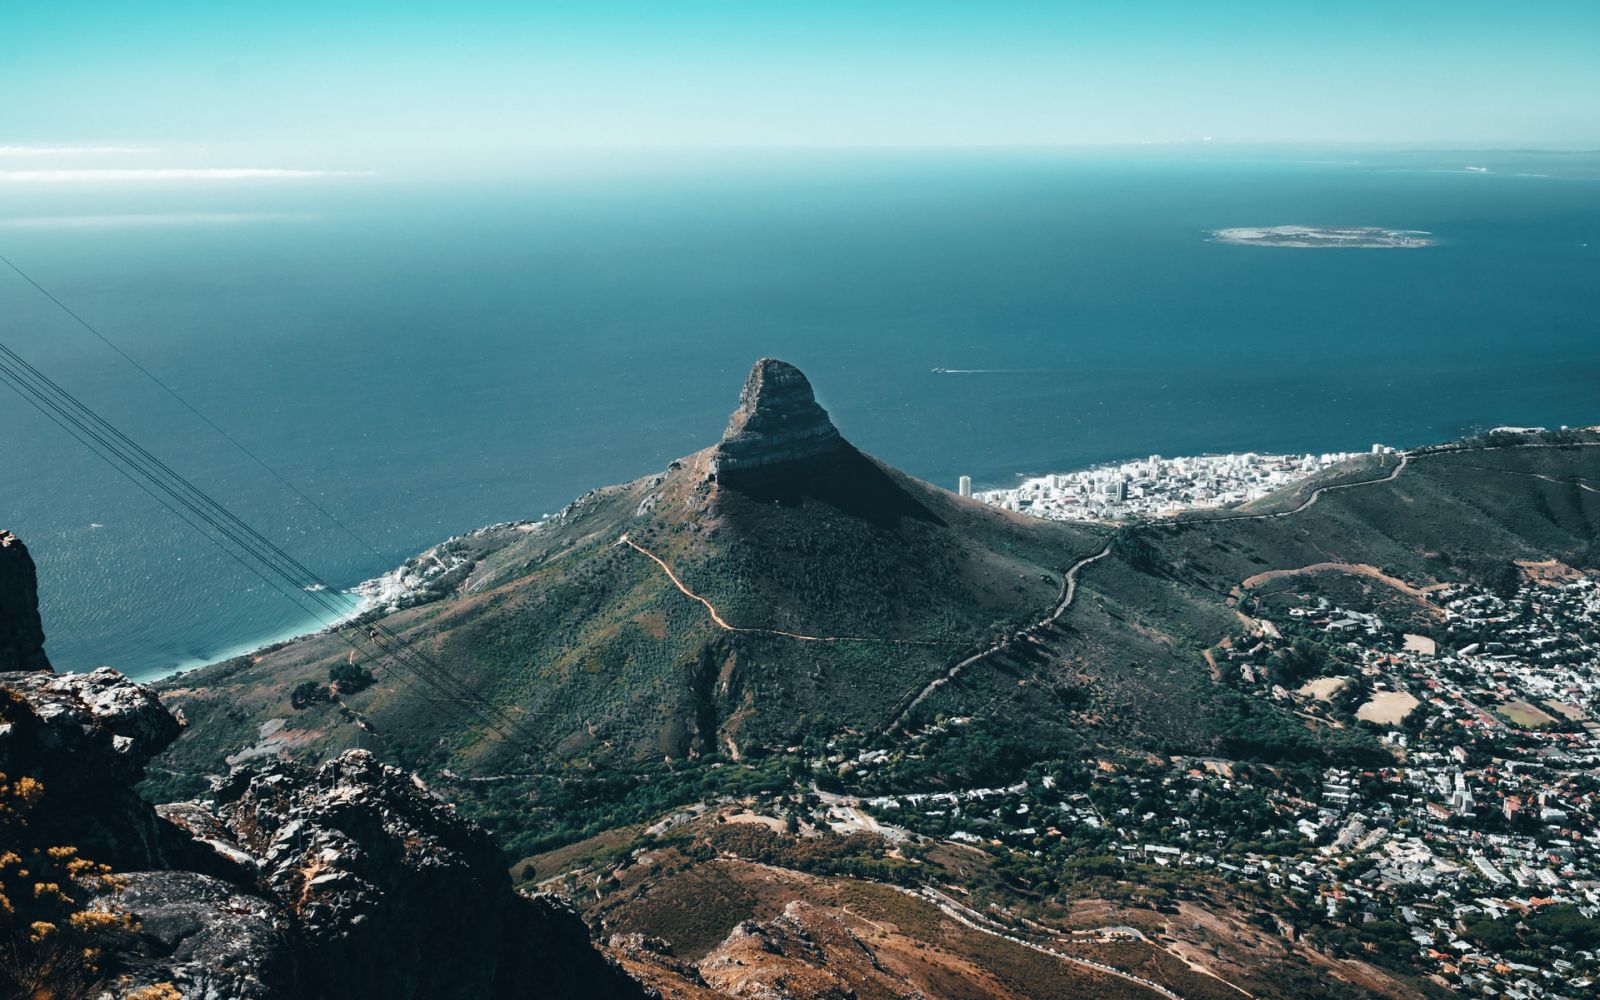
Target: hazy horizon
{"points": [[490, 87]]}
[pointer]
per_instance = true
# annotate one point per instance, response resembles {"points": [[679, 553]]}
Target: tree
{"points": [[306, 694], [350, 677], [1302, 660]]}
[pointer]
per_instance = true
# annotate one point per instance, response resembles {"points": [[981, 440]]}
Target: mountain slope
{"points": [[845, 585]]}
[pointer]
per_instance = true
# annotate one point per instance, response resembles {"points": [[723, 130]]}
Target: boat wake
{"points": [[989, 371]]}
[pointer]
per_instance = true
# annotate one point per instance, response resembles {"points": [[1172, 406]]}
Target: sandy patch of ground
{"points": [[1550, 571], [1421, 644], [654, 624], [771, 823], [1419, 594], [1387, 707], [1322, 688]]}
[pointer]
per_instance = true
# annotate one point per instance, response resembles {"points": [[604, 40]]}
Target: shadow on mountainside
{"points": [[844, 479]]}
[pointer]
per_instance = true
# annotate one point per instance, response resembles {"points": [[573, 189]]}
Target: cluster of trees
{"points": [[349, 678], [1130, 545], [984, 751], [1563, 924], [540, 813], [343, 678], [1300, 661]]}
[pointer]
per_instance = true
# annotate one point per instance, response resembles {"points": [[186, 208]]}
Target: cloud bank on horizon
{"points": [[476, 82], [152, 219], [59, 151], [111, 175]]}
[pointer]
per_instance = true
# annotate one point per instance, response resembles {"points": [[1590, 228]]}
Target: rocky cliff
{"points": [[778, 421], [350, 879], [21, 636]]}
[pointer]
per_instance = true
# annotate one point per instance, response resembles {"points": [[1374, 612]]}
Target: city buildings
{"points": [[1154, 487]]}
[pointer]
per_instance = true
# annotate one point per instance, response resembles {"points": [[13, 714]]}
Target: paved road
{"points": [[1312, 498]]}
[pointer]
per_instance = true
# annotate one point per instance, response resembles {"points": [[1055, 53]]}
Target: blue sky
{"points": [[366, 84]]}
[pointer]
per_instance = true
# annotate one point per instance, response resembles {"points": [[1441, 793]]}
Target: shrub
{"points": [[307, 693], [51, 939]]}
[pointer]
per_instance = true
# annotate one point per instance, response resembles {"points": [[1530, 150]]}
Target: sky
{"points": [[359, 85]]}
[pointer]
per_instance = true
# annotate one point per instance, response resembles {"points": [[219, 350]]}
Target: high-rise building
{"points": [[964, 486]]}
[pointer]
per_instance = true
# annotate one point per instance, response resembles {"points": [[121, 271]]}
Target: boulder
{"points": [[206, 937], [346, 879], [395, 895], [87, 738]]}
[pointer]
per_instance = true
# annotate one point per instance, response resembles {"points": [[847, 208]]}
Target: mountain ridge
{"points": [[800, 534], [614, 665]]}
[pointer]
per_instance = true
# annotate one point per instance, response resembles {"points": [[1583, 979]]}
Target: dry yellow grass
{"points": [[1387, 708]]}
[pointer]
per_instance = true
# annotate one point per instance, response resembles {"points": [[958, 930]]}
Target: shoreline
{"points": [[1324, 237], [311, 625], [392, 590]]}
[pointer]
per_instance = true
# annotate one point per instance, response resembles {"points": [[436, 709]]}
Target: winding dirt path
{"points": [[1353, 569], [1418, 594], [722, 623], [1070, 584], [1069, 590]]}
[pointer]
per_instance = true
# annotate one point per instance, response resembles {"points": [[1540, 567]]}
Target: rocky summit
{"points": [[347, 879], [21, 636], [778, 421]]}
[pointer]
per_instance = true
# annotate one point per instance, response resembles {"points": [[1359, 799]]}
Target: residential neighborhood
{"points": [[1467, 844], [1154, 486]]}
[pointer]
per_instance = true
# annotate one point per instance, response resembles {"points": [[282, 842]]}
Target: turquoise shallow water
{"points": [[426, 358]]}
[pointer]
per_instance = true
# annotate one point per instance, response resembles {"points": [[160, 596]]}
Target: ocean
{"points": [[424, 356]]}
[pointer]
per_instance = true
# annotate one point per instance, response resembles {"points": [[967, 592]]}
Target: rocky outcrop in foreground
{"points": [[21, 635], [778, 421], [350, 879]]}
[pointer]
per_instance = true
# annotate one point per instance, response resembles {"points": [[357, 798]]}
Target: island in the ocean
{"points": [[1361, 237]]}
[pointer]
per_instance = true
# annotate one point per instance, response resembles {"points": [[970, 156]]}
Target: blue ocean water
{"points": [[423, 358]]}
